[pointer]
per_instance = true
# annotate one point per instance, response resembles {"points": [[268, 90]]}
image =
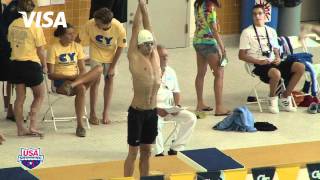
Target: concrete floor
{"points": [[108, 142]]}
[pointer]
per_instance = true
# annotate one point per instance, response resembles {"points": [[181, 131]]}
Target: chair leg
{"points": [[258, 99], [171, 133], [45, 114], [86, 117], [53, 118]]}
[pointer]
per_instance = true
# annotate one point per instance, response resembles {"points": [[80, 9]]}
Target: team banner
{"points": [[185, 176], [213, 175], [235, 174], [314, 171], [288, 173], [265, 173], [157, 177], [123, 178], [267, 8]]}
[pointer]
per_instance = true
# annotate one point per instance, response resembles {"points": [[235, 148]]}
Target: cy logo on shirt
{"points": [[30, 157], [68, 57], [104, 40], [46, 17]]}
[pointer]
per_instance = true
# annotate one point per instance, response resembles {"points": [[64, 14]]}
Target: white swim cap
{"points": [[144, 36]]}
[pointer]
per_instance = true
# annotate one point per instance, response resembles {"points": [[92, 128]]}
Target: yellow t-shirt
{"points": [[65, 58], [103, 44], [24, 41]]}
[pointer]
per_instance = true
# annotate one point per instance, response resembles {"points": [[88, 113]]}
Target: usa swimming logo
{"points": [[30, 157]]}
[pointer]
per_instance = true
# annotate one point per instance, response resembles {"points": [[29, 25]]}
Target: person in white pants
{"points": [[169, 96]]}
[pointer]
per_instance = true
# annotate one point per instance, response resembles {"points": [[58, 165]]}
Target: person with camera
{"points": [[259, 47]]}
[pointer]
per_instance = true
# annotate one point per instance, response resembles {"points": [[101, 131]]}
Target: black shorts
{"points": [[58, 83], [26, 72], [284, 67], [142, 126]]}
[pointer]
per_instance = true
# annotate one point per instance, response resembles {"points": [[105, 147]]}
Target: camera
{"points": [[266, 54]]}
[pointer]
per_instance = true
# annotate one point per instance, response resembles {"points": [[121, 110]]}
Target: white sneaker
{"points": [[286, 104], [273, 105]]}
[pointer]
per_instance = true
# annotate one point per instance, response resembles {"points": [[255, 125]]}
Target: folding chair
{"points": [[174, 129], [54, 119], [280, 89]]}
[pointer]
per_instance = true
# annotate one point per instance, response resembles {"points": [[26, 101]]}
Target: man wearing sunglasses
{"points": [[106, 38], [144, 65], [260, 49]]}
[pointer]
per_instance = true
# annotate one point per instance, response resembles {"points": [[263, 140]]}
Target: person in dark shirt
{"points": [[118, 7], [7, 15]]}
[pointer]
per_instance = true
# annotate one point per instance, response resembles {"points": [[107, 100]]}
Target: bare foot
{"points": [[94, 120], [106, 121], [2, 138], [23, 132]]}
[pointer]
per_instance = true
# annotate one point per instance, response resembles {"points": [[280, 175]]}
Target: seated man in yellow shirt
{"points": [[67, 70], [106, 38], [27, 67]]}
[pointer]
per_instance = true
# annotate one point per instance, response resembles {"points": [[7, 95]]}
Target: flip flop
{"points": [[34, 134], [224, 114], [207, 109]]}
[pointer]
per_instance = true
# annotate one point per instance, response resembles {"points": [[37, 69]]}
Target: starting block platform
{"points": [[283, 155]]}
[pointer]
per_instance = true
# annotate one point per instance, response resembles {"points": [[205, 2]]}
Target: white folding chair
{"points": [[54, 119], [281, 88], [173, 131]]}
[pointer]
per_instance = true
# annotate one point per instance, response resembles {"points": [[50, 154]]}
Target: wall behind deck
{"points": [[228, 17], [76, 11]]}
